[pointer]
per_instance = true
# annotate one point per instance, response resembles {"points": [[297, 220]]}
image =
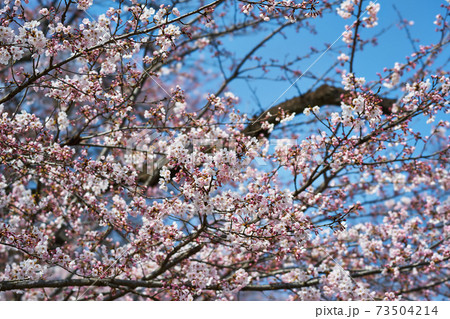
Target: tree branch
{"points": [[324, 95], [118, 283]]}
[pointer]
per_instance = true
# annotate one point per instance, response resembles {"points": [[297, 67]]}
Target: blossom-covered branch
{"points": [[130, 169]]}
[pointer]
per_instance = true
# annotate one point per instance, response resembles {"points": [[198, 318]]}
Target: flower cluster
{"points": [[30, 34], [372, 9], [10, 52], [347, 8]]}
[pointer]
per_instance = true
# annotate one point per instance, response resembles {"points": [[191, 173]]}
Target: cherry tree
{"points": [[128, 169]]}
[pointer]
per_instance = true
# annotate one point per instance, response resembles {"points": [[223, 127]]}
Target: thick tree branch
{"points": [[29, 284], [120, 283], [324, 95]]}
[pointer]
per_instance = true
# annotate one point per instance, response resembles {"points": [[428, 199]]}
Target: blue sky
{"points": [[393, 46]]}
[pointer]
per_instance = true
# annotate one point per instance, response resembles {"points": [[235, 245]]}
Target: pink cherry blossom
{"points": [[131, 167]]}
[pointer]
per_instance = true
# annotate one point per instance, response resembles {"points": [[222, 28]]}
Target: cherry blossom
{"points": [[129, 169]]}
